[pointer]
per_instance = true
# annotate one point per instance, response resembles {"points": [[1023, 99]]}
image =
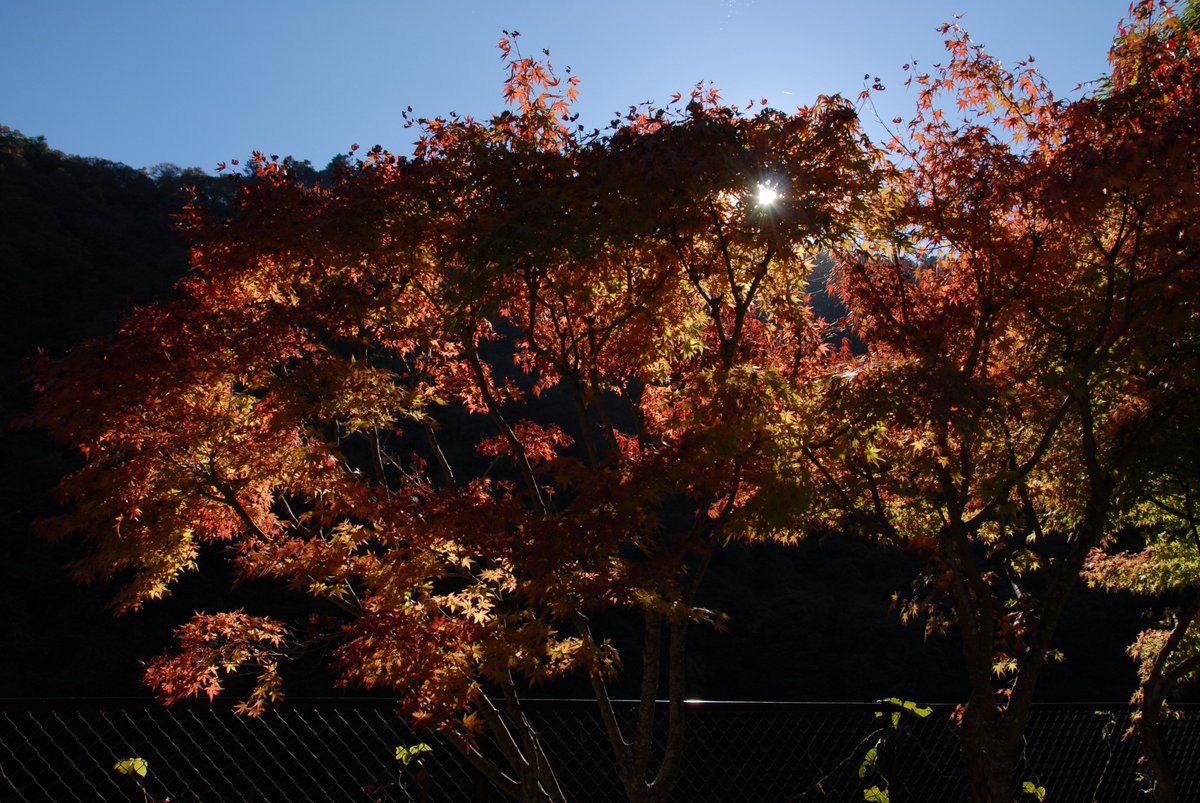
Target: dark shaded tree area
{"points": [[82, 241]]}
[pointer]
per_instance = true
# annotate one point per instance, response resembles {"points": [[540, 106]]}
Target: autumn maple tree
{"points": [[1164, 514], [1027, 298], [470, 399]]}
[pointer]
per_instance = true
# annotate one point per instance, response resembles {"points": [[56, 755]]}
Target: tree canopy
{"points": [[291, 401], [1027, 298]]}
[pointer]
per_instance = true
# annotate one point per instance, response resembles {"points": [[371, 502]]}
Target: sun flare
{"points": [[767, 195]]}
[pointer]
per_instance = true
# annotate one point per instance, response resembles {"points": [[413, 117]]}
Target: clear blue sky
{"points": [[195, 82]]}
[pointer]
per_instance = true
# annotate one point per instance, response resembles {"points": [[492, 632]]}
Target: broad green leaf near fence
{"points": [[868, 762], [132, 766], [1037, 792], [405, 755]]}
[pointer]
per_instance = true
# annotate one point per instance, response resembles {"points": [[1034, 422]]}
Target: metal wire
{"points": [[334, 750]]}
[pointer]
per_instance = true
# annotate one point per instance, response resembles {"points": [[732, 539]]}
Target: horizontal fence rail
{"points": [[346, 750]]}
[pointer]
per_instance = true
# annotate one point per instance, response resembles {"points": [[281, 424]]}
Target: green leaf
{"points": [[132, 766], [868, 762], [1038, 792], [405, 755], [903, 705], [876, 795]]}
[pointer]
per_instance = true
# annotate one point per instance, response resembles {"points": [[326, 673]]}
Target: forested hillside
{"points": [[81, 242]]}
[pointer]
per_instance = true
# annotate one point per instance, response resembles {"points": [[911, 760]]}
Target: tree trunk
{"points": [[529, 777], [1156, 753], [632, 755], [1164, 676], [990, 755]]}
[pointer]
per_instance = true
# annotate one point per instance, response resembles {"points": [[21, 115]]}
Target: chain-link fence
{"points": [[346, 750]]}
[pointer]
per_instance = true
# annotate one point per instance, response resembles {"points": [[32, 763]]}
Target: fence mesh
{"points": [[345, 750]]}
